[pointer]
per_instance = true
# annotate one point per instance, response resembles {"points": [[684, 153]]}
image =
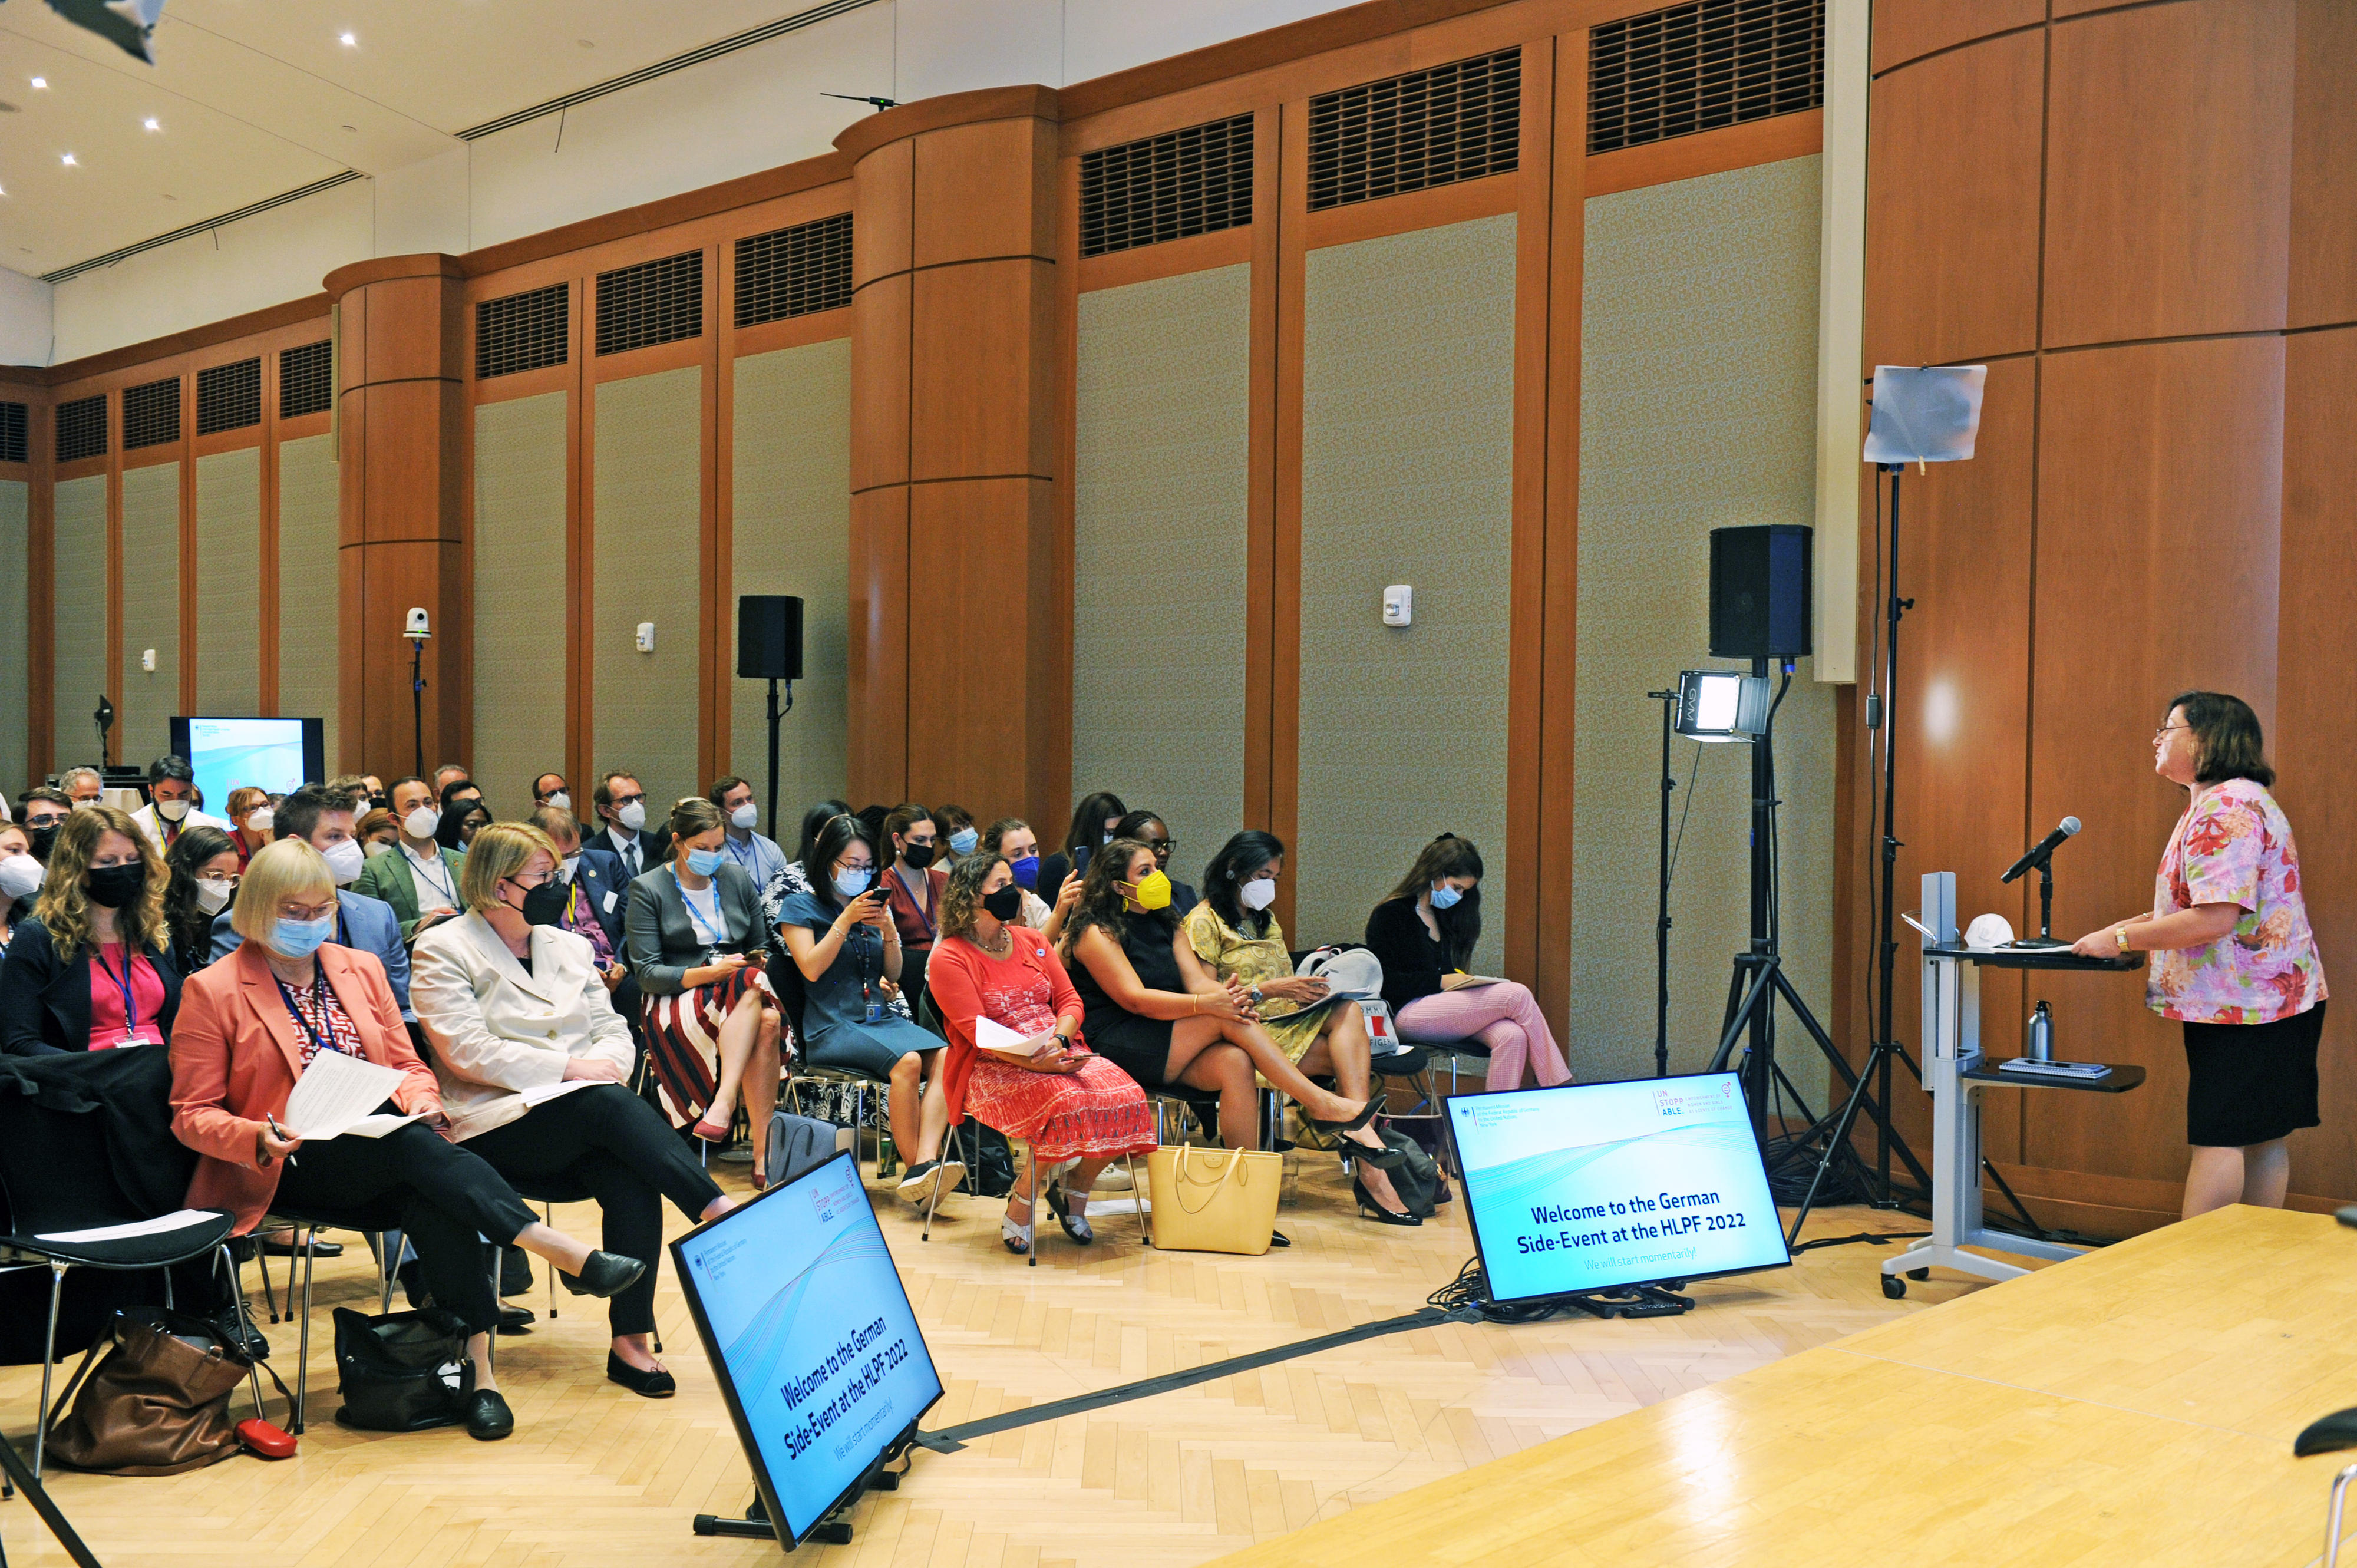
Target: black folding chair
{"points": [[64, 1201]]}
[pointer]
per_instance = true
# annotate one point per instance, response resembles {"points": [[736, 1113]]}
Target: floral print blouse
{"points": [[2233, 846]]}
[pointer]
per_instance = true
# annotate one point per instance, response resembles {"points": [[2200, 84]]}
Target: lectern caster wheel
{"points": [[1919, 1273], [1893, 1286]]}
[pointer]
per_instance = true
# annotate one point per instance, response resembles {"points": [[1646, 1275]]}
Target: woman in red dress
{"points": [[1049, 1091]]}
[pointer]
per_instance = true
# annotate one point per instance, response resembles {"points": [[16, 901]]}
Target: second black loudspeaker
{"points": [[769, 637], [1760, 592]]}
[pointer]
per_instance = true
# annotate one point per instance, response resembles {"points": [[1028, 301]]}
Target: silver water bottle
{"points": [[2041, 1034]]}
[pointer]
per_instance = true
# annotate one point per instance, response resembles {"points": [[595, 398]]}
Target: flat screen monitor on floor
{"points": [[276, 755], [1591, 1186], [811, 1337]]}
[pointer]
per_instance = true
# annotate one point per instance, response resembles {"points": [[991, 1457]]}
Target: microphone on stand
{"points": [[2042, 849]]}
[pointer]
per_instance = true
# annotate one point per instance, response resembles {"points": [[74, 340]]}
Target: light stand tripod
{"points": [[417, 635], [776, 713], [1759, 981], [1668, 701]]}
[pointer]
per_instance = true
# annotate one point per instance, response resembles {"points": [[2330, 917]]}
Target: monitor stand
{"points": [[833, 1531], [1658, 1300]]}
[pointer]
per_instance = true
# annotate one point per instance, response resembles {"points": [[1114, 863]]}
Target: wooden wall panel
{"points": [[2157, 507], [2324, 164], [1909, 29], [876, 759], [2314, 729], [952, 164], [975, 373], [880, 316], [1955, 259], [2170, 171]]}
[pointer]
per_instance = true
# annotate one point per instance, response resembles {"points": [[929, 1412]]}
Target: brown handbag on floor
{"points": [[157, 1403]]}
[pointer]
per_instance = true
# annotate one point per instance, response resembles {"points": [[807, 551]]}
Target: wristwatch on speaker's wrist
{"points": [[2120, 935]]}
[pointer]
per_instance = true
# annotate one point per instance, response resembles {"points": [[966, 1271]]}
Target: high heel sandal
{"points": [[1017, 1238], [1076, 1226], [1367, 1114], [1371, 1210]]}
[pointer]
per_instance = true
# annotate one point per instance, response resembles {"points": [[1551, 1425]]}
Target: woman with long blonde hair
{"points": [[91, 970]]}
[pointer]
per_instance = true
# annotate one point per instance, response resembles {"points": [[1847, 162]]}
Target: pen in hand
{"points": [[277, 1132]]}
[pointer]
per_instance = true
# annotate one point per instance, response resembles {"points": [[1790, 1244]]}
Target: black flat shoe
{"points": [[1075, 1226], [488, 1419], [515, 1319], [653, 1385], [1375, 1211], [606, 1273]]}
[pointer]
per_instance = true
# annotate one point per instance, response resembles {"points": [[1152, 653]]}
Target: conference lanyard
{"points": [[715, 922], [318, 997], [129, 1008], [749, 858], [441, 882]]}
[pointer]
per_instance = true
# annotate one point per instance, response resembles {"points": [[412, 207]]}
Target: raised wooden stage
{"points": [[2133, 1407]]}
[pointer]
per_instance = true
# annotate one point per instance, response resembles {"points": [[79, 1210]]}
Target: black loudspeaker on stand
{"points": [[1759, 610], [770, 648]]}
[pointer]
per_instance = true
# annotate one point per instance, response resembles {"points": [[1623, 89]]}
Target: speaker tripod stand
{"points": [[1757, 981]]}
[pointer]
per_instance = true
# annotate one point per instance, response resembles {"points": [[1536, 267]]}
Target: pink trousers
{"points": [[1503, 1017]]}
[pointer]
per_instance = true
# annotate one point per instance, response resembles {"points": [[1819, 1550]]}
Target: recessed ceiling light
{"points": [[41, 81], [153, 123], [7, 107], [69, 160], [348, 41]]}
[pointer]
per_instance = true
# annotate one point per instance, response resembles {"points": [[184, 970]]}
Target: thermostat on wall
{"points": [[1399, 604], [646, 638]]}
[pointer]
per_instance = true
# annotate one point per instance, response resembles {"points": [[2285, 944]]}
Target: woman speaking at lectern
{"points": [[2234, 959]]}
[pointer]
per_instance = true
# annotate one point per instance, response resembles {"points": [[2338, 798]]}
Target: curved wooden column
{"points": [[400, 447], [960, 663]]}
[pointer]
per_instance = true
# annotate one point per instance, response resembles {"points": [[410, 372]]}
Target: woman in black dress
{"points": [[1153, 1011]]}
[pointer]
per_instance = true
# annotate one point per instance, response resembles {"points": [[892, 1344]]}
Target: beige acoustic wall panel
{"points": [[520, 598], [15, 653], [649, 473], [1407, 476], [1161, 504], [228, 584], [791, 534], [1698, 411], [151, 612], [78, 608], [310, 583]]}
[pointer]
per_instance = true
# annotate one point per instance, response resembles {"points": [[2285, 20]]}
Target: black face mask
{"points": [[112, 887], [1005, 904], [920, 856], [544, 905], [45, 839]]}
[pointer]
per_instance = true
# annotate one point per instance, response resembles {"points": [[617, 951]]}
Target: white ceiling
{"points": [[257, 97]]}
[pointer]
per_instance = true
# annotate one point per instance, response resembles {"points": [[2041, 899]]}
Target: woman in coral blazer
{"points": [[242, 1039]]}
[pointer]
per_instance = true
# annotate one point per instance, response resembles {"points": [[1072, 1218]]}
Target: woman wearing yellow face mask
{"points": [[1153, 1011]]}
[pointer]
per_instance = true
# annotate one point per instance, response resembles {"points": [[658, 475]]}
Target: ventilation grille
{"points": [[151, 414], [229, 397], [523, 331], [305, 380], [1430, 127], [794, 272], [654, 302], [81, 428], [14, 445], [1701, 67], [1194, 181]]}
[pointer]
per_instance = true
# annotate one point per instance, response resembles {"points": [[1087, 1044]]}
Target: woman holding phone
{"points": [[1047, 1090], [842, 938]]}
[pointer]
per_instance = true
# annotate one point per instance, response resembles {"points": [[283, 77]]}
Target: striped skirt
{"points": [[683, 1039]]}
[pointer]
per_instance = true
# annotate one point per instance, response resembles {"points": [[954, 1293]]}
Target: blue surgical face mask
{"points": [[1026, 872], [300, 938], [704, 861], [1444, 896], [852, 880], [963, 841]]}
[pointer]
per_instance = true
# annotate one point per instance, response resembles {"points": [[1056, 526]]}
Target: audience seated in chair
{"points": [[20, 879], [92, 970], [621, 802], [255, 1021], [842, 940], [912, 889], [420, 879], [322, 818], [1158, 1015], [960, 836], [815, 821], [512, 1001], [251, 816], [1236, 934], [1093, 822], [1010, 839], [694, 936], [1425, 932], [1154, 834], [204, 864], [1051, 1092]]}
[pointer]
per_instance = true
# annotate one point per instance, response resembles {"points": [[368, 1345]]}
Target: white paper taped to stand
{"points": [[1988, 931]]}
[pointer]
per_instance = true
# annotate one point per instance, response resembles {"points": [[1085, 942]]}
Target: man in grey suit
{"points": [[323, 818]]}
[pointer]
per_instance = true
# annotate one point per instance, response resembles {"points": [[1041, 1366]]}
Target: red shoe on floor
{"points": [[711, 1131]]}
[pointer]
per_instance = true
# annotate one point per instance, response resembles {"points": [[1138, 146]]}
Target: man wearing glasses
{"points": [[621, 807]]}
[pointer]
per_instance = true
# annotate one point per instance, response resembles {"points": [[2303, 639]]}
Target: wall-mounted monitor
{"points": [[276, 755]]}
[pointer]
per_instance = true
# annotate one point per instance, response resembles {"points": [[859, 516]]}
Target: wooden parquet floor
{"points": [[597, 1477]]}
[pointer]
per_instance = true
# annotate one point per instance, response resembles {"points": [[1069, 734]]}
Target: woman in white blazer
{"points": [[531, 1057]]}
